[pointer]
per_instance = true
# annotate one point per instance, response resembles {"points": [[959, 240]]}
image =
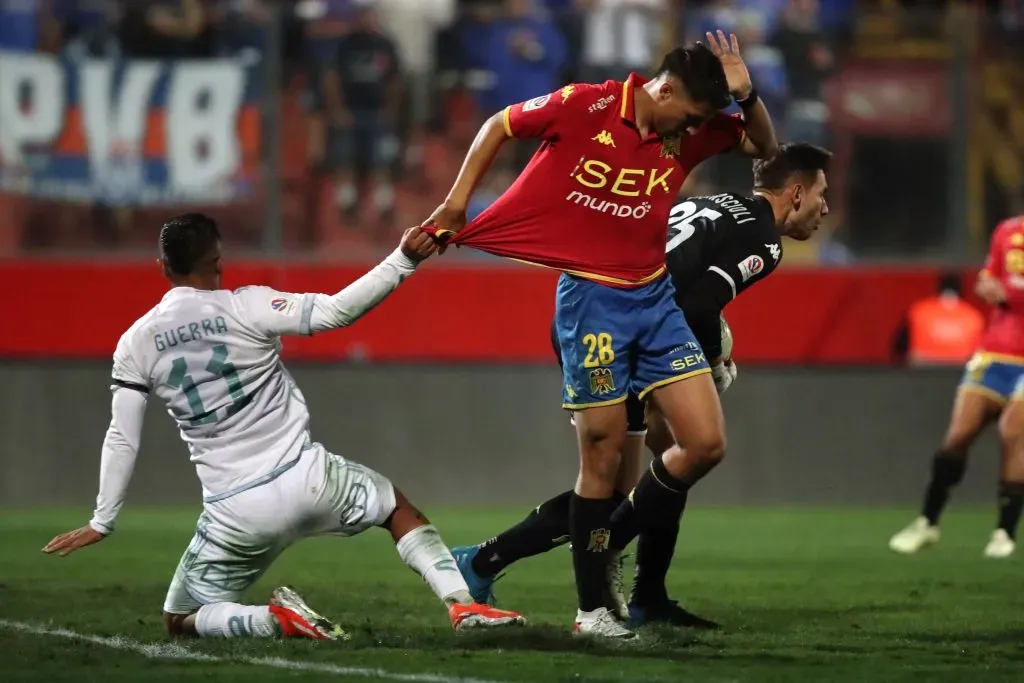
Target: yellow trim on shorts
{"points": [[506, 121], [670, 380], [584, 406], [986, 392], [989, 357]]}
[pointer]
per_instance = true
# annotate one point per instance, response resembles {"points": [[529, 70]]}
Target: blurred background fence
{"points": [[316, 130]]}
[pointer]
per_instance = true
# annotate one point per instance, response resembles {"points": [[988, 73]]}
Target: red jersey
{"points": [[595, 199], [1005, 331]]}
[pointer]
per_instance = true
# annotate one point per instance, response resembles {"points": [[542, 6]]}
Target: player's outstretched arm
{"points": [[120, 448], [450, 216], [363, 295], [759, 139]]}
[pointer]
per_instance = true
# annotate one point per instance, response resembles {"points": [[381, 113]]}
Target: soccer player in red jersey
{"points": [[992, 388], [593, 203]]}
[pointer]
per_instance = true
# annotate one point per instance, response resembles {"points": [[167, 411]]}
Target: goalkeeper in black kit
{"points": [[718, 246]]}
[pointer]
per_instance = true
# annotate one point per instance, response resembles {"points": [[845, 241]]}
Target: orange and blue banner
{"points": [[129, 132]]}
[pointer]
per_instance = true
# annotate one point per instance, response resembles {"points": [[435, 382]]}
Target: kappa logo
{"points": [[567, 91], [775, 251], [605, 138], [601, 104], [750, 266], [601, 382], [600, 539]]}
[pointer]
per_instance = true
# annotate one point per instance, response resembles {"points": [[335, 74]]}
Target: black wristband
{"points": [[749, 101]]}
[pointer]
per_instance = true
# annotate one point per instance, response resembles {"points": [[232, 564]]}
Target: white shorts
{"points": [[238, 538]]}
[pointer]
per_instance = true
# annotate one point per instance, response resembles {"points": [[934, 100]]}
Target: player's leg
{"points": [[354, 498], [224, 558], [1011, 485], [649, 600], [547, 525], [671, 367], [979, 399], [596, 328]]}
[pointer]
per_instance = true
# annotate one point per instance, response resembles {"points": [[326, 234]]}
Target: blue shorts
{"points": [[997, 376], [619, 341]]}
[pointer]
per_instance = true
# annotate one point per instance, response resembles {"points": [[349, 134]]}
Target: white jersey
{"points": [[214, 359]]}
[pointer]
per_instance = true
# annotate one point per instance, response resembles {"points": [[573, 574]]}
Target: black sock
{"points": [[545, 528], [590, 529], [947, 471], [654, 550], [1011, 500], [657, 502]]}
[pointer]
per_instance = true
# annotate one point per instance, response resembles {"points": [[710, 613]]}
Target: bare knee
{"points": [[1011, 426], [600, 450], [179, 625]]}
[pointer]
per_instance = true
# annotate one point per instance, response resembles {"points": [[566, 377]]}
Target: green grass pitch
{"points": [[805, 595]]}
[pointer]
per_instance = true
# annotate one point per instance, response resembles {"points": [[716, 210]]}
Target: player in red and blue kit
{"points": [[593, 203], [992, 388]]}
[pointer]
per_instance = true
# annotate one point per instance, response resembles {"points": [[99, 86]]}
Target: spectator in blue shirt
{"points": [[525, 51]]}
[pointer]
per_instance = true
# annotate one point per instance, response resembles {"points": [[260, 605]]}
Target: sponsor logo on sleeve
{"points": [[750, 266], [775, 251], [282, 305], [536, 103]]}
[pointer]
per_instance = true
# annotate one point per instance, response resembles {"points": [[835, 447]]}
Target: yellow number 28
{"points": [[599, 350]]}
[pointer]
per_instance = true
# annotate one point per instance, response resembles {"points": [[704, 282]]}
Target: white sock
{"points": [[231, 620], [424, 551]]}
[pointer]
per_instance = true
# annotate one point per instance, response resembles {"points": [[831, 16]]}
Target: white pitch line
{"points": [[180, 652]]}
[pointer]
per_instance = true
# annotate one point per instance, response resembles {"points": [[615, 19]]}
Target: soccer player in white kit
{"points": [[213, 356]]}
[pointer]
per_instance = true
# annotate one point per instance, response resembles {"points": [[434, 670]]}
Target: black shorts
{"points": [[636, 417]]}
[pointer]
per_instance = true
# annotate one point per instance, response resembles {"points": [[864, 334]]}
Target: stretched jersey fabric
{"points": [[594, 199], [1004, 333]]}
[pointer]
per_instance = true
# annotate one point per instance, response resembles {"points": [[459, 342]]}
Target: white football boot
{"points": [[1000, 545], [601, 623], [615, 598], [918, 535]]}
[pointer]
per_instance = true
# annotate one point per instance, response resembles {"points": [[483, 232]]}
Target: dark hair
{"points": [[950, 281], [185, 240], [701, 73], [792, 157]]}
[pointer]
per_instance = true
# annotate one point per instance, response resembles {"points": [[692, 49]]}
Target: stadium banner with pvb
{"points": [[129, 132]]}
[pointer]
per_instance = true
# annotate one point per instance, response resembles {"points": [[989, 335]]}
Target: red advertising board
{"points": [[449, 314]]}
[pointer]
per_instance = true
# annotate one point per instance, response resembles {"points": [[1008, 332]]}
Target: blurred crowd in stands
{"points": [[390, 91]]}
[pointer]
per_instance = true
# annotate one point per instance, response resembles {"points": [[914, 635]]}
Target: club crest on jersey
{"points": [[605, 138], [601, 381], [600, 539], [282, 305], [1017, 240], [536, 103], [671, 146], [750, 266], [567, 91]]}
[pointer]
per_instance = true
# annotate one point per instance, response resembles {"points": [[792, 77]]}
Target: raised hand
{"points": [[728, 52]]}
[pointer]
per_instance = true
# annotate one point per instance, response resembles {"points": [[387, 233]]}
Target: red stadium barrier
{"points": [[492, 313]]}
